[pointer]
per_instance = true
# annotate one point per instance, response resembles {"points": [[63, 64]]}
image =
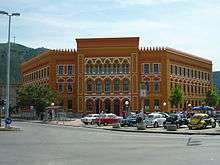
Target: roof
{"points": [[83, 43]]}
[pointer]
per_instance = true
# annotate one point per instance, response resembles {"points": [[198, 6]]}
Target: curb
{"points": [[10, 129], [134, 131], [165, 132]]}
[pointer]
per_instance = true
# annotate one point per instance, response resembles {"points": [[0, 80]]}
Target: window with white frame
{"points": [[156, 68], [60, 70], [69, 70], [146, 68]]}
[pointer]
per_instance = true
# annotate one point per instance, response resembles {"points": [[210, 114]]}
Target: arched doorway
{"points": [[107, 105], [97, 106], [117, 107], [89, 106]]}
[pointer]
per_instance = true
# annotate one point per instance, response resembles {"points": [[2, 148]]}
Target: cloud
{"points": [[147, 2]]}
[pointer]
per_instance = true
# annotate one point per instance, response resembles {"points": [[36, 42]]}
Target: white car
{"points": [[155, 120], [90, 119]]}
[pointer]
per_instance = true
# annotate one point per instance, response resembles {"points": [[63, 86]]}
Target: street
{"points": [[39, 144]]}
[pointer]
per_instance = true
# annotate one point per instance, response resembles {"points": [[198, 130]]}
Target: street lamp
{"points": [[8, 60], [126, 105], [164, 104]]}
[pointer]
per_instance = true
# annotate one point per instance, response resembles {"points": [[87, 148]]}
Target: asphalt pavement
{"points": [[39, 144]]}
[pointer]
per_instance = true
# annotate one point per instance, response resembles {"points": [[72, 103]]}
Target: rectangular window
{"points": [[188, 73], [60, 70], [156, 68], [184, 72], [176, 70], [180, 71], [61, 87], [156, 87], [202, 76], [171, 69], [146, 68], [69, 70], [147, 88], [191, 73]]}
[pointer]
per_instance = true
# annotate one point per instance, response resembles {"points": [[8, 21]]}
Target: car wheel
{"points": [[92, 122], [105, 124], [214, 125], [156, 125]]}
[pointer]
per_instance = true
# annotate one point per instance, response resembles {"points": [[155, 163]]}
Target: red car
{"points": [[106, 119]]}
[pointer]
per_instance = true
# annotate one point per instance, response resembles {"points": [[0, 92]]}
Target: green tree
{"points": [[37, 96], [212, 97], [177, 96]]}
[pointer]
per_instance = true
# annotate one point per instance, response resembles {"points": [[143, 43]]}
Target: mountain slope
{"points": [[19, 54]]}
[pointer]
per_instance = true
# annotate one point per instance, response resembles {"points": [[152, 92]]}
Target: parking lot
{"points": [[182, 130]]}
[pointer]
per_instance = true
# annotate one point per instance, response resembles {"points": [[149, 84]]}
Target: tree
{"points": [[212, 97], [177, 96], [38, 96]]}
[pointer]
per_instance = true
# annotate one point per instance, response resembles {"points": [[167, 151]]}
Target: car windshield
{"points": [[197, 117], [150, 116], [89, 115]]}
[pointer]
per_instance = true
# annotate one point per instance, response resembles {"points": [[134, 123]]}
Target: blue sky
{"points": [[189, 25]]}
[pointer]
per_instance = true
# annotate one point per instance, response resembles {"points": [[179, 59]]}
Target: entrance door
{"points": [[107, 106], [117, 107], [97, 106]]}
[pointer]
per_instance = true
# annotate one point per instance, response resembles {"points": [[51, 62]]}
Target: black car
{"points": [[176, 118], [130, 120]]}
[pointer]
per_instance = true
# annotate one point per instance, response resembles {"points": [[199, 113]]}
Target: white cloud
{"points": [[147, 2]]}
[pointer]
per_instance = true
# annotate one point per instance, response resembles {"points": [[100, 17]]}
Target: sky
{"points": [[191, 26]]}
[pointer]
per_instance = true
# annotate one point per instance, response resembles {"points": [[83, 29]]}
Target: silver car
{"points": [[90, 119], [155, 120]]}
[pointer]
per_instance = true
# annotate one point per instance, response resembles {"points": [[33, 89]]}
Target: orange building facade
{"points": [[105, 73]]}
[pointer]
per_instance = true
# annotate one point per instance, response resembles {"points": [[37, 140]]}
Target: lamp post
{"points": [[126, 106], [164, 104], [8, 61]]}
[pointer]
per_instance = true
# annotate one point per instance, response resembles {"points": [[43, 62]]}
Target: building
{"points": [[105, 73]]}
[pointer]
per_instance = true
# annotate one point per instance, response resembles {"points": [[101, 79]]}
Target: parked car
{"points": [[199, 121], [178, 119], [90, 119], [108, 118], [217, 116], [155, 120], [130, 120]]}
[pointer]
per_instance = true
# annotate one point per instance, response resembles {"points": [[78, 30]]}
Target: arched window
{"points": [[107, 86], [98, 86], [89, 85], [126, 85], [116, 85]]}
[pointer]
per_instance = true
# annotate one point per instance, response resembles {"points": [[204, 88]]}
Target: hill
{"points": [[216, 79], [19, 54]]}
